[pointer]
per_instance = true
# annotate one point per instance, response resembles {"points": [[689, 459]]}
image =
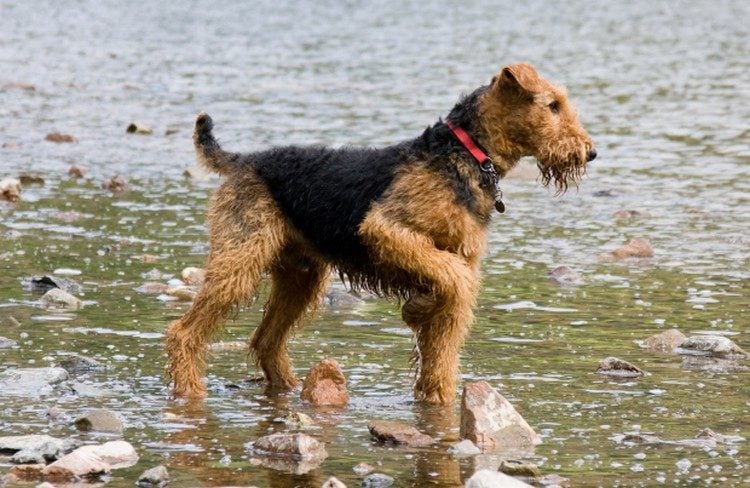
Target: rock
{"points": [[637, 247], [182, 293], [116, 184], [297, 420], [27, 449], [362, 469], [59, 137], [225, 346], [48, 282], [711, 345], [10, 190], [377, 480], [513, 467], [398, 433], [17, 85], [464, 448], [30, 382], [76, 364], [27, 179], [57, 298], [565, 276], [665, 341], [154, 477], [100, 420], [85, 462], [491, 422], [493, 479], [325, 384], [118, 454], [333, 482], [6, 343], [630, 214], [296, 453], [554, 481], [139, 128], [612, 366], [76, 171], [193, 276], [706, 439], [152, 288]]}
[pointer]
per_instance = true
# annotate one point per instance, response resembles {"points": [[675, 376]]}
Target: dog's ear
{"points": [[517, 80]]}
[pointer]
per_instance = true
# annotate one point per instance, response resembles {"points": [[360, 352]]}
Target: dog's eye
{"points": [[554, 106]]}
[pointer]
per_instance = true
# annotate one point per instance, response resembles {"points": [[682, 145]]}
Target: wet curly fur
{"points": [[407, 221]]}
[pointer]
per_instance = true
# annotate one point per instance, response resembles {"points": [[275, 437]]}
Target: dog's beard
{"points": [[562, 175]]}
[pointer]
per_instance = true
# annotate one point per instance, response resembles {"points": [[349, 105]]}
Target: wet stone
{"points": [[398, 433], [138, 128], [48, 282], [295, 453], [99, 420], [714, 346], [152, 288], [554, 481], [297, 420], [6, 343], [76, 171], [464, 448], [333, 482], [491, 422], [519, 468], [565, 276], [116, 184], [155, 477], [362, 469], [613, 366], [182, 293], [28, 447], [377, 480], [27, 179], [637, 247], [494, 479], [193, 276], [57, 298], [325, 385], [10, 190], [59, 137], [76, 364], [665, 341], [30, 382]]}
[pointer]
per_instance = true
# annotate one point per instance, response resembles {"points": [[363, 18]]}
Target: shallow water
{"points": [[662, 88]]}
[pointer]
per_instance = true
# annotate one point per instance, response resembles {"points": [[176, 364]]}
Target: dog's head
{"points": [[523, 114]]}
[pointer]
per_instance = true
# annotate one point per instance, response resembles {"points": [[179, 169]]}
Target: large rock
{"points": [[57, 298], [665, 341], [619, 368], [491, 422], [29, 449], [711, 345], [295, 453], [399, 433], [76, 364], [30, 382], [377, 480], [494, 479], [100, 420], [325, 384]]}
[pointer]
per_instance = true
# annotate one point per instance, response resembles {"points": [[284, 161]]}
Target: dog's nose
{"points": [[591, 155]]}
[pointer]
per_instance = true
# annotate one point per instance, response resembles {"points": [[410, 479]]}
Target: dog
{"points": [[407, 221]]}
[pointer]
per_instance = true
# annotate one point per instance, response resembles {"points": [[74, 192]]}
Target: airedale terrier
{"points": [[407, 221]]}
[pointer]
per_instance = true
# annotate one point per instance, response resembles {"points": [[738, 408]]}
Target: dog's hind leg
{"points": [[247, 234], [297, 286]]}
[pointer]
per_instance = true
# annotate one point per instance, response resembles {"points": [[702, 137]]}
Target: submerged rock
{"points": [[27, 179], [295, 453], [116, 184], [182, 293], [665, 341], [297, 420], [325, 384], [362, 469], [554, 481], [485, 478], [613, 366], [333, 482], [138, 128], [565, 276], [637, 247], [706, 439], [152, 288], [30, 382], [491, 422], [519, 468], [377, 480], [464, 448], [76, 364], [76, 171], [154, 477], [193, 276], [35, 447], [100, 420], [711, 345], [10, 190], [59, 137], [398, 433], [48, 282], [6, 343], [57, 298]]}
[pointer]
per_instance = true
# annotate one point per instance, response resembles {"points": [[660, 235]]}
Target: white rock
{"points": [[494, 479]]}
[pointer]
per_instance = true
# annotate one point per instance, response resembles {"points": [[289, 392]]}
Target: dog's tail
{"points": [[207, 149]]}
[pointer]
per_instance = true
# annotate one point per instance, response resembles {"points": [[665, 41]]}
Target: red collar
{"points": [[485, 163]]}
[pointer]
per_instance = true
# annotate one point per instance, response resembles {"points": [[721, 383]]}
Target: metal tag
{"points": [[499, 206]]}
